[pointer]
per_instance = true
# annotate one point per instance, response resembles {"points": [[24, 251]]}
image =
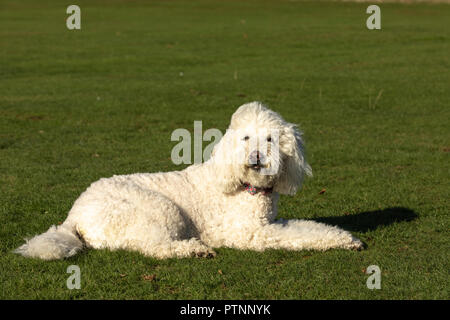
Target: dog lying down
{"points": [[228, 201]]}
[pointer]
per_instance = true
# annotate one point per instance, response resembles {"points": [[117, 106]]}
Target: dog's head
{"points": [[261, 149]]}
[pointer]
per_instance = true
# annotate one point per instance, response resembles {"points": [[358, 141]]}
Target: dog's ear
{"points": [[225, 158], [294, 165]]}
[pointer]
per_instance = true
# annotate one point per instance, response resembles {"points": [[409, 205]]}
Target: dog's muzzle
{"points": [[256, 160]]}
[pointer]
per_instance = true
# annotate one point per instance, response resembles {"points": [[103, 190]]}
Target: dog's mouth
{"points": [[256, 161], [256, 166]]}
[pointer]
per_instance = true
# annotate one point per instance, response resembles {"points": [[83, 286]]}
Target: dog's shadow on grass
{"points": [[370, 220]]}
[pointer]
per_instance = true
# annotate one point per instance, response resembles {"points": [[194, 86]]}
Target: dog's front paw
{"points": [[208, 254], [357, 245]]}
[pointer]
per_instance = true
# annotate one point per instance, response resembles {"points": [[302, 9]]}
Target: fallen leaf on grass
{"points": [[149, 277], [322, 191]]}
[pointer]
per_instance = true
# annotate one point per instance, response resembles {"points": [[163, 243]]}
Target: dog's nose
{"points": [[256, 157]]}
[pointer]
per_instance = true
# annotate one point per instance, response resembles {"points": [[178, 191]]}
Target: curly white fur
{"points": [[177, 214]]}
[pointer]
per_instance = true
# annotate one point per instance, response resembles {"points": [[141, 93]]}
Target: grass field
{"points": [[374, 105]]}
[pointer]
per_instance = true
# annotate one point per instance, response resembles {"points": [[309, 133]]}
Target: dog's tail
{"points": [[57, 243]]}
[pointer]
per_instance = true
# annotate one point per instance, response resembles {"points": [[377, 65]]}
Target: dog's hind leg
{"points": [[126, 216]]}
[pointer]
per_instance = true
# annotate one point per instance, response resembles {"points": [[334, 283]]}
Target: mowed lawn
{"points": [[76, 106]]}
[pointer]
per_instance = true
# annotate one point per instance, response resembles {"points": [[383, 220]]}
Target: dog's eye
{"points": [[269, 139], [246, 138]]}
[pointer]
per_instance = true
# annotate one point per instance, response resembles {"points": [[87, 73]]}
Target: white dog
{"points": [[229, 200]]}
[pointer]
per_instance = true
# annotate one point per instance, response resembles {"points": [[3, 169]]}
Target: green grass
{"points": [[374, 105]]}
